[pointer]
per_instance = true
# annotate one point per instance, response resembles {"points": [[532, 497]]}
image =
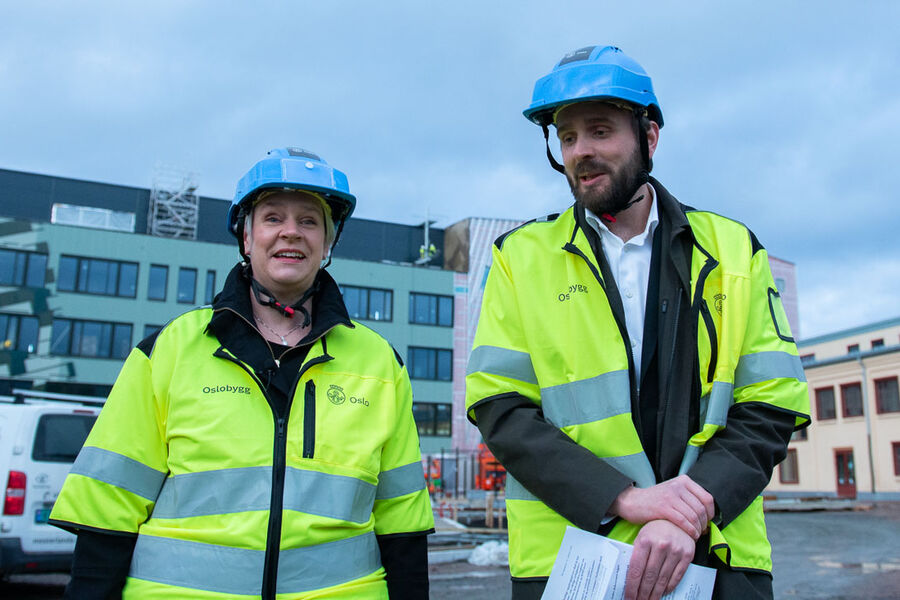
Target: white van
{"points": [[40, 436]]}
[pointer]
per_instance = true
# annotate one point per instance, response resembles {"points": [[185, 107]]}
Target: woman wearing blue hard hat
{"points": [[264, 445]]}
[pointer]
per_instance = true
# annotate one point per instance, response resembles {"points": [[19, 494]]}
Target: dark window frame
{"points": [[437, 322], [431, 425], [74, 338], [853, 349], [880, 406], [434, 368], [845, 409], [22, 268], [193, 298], [877, 343], [369, 312], [165, 286], [791, 459], [12, 332], [895, 447], [83, 266], [819, 411]]}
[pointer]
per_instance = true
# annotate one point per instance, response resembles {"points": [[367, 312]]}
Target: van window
{"points": [[60, 437]]}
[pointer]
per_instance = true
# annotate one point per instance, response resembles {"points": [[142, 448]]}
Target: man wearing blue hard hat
{"points": [[633, 368]]}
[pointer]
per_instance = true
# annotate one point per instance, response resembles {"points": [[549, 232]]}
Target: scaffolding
{"points": [[174, 204]]}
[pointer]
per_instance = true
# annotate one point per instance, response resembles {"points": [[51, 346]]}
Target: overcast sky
{"points": [[783, 115]]}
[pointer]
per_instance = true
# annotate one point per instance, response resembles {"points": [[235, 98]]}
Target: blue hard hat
{"points": [[593, 73], [293, 169]]}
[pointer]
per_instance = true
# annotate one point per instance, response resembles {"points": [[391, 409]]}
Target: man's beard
{"points": [[623, 183]]}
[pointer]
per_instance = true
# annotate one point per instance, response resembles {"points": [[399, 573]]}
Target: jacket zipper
{"points": [[699, 305], [309, 420], [713, 340]]}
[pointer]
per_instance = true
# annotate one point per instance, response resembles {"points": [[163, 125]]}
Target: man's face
{"points": [[601, 154]]}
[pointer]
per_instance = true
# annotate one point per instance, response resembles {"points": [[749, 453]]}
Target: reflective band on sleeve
{"points": [[763, 366], [690, 457], [587, 400], [400, 481], [636, 466], [721, 398], [119, 470], [515, 490], [238, 571], [502, 361], [247, 489]]}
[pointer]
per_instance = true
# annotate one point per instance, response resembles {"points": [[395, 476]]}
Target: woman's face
{"points": [[286, 243]]}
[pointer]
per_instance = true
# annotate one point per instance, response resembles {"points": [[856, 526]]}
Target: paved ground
{"points": [[835, 555]]}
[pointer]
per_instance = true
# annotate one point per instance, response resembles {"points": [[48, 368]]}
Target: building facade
{"points": [[852, 448]]}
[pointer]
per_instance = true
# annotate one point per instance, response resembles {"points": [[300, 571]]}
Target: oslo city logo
{"points": [[335, 393], [718, 299]]}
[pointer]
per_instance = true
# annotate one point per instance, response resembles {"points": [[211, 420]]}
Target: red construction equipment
{"points": [[490, 476]]}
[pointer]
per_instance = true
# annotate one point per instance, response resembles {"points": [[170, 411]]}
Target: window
{"points": [[886, 398], [432, 419], [150, 330], [187, 285], [89, 216], [210, 291], [368, 303], [19, 332], [94, 339], [156, 285], [430, 309], [851, 400], [60, 437], [430, 363], [825, 403], [22, 268], [879, 343], [779, 283], [97, 276], [807, 358], [787, 471], [799, 435], [895, 446], [853, 349]]}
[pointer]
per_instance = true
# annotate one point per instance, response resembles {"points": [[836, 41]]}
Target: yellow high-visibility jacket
{"points": [[223, 493], [547, 333]]}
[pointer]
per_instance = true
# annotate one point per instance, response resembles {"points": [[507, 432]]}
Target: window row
{"points": [[22, 268], [788, 470], [887, 399], [92, 339], [376, 304], [432, 419]]}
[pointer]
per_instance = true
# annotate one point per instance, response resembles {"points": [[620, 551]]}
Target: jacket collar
{"points": [[233, 324]]}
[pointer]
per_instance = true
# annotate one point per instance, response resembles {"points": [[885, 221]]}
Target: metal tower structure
{"points": [[174, 204]]}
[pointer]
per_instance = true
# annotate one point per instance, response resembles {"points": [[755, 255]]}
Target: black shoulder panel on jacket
{"points": [[397, 356], [146, 344], [499, 241], [755, 243]]}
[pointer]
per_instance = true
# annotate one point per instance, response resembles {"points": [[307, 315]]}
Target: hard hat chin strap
{"points": [[550, 157], [267, 298]]}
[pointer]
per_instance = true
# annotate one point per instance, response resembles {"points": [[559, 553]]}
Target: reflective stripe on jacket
{"points": [[188, 454], [547, 332]]}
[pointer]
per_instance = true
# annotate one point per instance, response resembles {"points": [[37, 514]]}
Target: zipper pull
{"points": [[664, 306]]}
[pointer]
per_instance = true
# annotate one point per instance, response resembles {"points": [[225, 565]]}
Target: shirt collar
{"points": [[652, 221]]}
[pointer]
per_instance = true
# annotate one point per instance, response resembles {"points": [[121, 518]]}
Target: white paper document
{"points": [[592, 567]]}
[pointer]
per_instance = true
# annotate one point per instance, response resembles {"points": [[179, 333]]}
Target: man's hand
{"points": [[662, 553], [681, 501]]}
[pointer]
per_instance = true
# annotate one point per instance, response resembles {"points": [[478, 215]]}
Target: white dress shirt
{"points": [[629, 263]]}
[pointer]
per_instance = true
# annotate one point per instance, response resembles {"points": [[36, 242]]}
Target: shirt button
{"points": [[629, 293], [633, 344]]}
